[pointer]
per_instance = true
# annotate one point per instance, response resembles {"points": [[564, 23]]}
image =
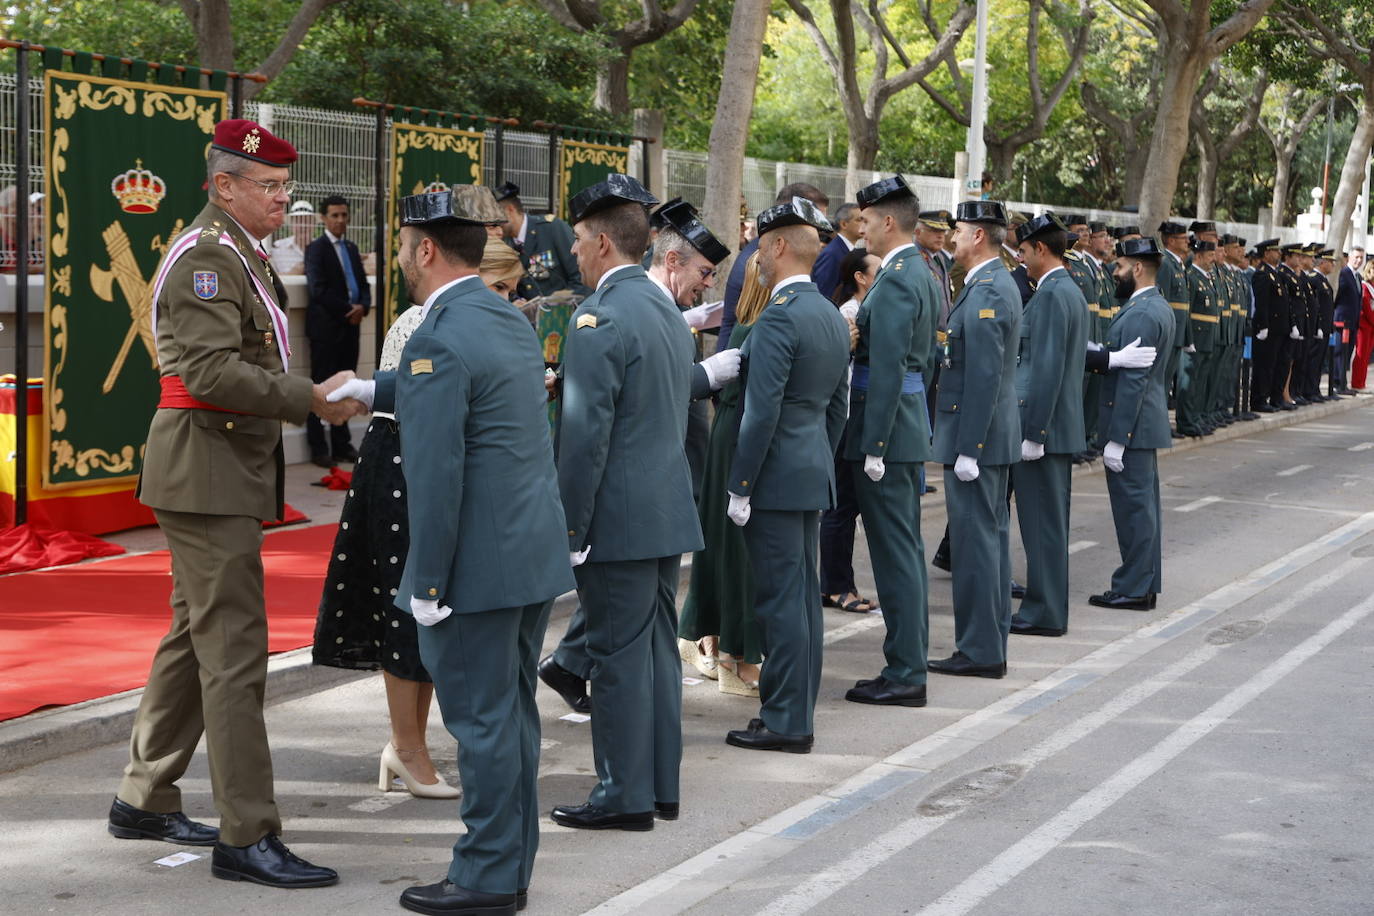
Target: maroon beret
{"points": [[252, 141]]}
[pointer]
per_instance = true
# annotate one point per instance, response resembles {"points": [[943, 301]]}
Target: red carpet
{"points": [[88, 631]]}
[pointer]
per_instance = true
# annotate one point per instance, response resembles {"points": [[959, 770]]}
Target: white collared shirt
{"points": [[524, 226], [607, 275], [795, 278], [1049, 273], [968, 277], [663, 286], [334, 241], [847, 243], [434, 296], [1175, 257], [887, 258], [1139, 291]]}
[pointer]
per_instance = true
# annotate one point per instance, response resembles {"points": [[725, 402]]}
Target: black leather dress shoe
{"points": [[590, 817], [940, 561], [449, 899], [757, 737], [1026, 628], [1288, 405], [962, 665], [666, 811], [567, 685], [882, 692], [1017, 589], [1247, 417], [268, 862], [130, 823], [1123, 602], [1264, 408]]}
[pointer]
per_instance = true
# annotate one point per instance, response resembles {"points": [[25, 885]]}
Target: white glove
{"points": [[874, 467], [721, 367], [1112, 456], [1190, 349], [427, 611], [362, 389], [1263, 334], [577, 558], [1032, 451], [1321, 335], [1131, 356], [704, 316], [966, 468], [1294, 333], [738, 509]]}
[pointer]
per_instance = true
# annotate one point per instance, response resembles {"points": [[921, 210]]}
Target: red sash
{"points": [[175, 395]]}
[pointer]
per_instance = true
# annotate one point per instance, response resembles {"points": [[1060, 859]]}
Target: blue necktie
{"points": [[352, 281]]}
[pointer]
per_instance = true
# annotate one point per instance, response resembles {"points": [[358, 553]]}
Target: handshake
{"points": [[344, 406]]}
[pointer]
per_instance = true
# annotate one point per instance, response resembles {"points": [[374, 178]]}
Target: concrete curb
{"points": [[52, 733]]}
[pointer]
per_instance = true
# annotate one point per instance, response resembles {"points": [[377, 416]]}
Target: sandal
{"points": [[730, 680], [691, 653], [855, 604]]}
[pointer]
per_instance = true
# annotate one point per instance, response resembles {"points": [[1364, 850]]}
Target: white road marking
{"points": [[1076, 546], [844, 631], [1363, 446], [1197, 504], [1296, 469], [375, 804]]}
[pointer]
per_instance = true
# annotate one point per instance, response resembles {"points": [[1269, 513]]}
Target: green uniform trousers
{"points": [[1043, 490], [636, 675], [483, 666], [571, 653], [980, 550], [1221, 358], [1193, 405], [1092, 394], [1174, 378], [783, 547], [892, 522], [208, 677], [1134, 495]]}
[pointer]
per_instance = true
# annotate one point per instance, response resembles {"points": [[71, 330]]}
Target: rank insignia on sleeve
{"points": [[780, 300], [205, 283], [987, 313], [421, 366], [586, 321]]}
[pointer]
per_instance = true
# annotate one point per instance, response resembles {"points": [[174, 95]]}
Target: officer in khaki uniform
{"points": [[213, 472]]}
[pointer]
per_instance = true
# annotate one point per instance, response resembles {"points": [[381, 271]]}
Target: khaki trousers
{"points": [[208, 677]]}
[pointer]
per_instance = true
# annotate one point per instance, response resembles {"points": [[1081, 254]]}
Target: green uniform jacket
{"points": [[547, 258], [1134, 410], [1078, 270], [1204, 316], [1049, 369], [627, 367], [896, 327], [225, 350], [977, 397], [794, 403], [486, 522], [1172, 283]]}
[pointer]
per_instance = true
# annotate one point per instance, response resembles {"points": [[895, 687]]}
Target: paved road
{"points": [[1213, 756]]}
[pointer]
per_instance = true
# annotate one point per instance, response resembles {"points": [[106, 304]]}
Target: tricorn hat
{"points": [[1044, 223], [887, 189], [1144, 248], [683, 219], [1202, 225], [981, 211], [1095, 226], [1170, 228], [1126, 230], [1197, 244], [447, 207], [797, 212], [616, 189], [1075, 219], [507, 190], [656, 220]]}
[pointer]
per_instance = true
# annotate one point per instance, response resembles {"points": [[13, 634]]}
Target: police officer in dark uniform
{"points": [[1269, 328], [1291, 363]]}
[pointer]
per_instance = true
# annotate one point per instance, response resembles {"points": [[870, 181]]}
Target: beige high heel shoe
{"points": [[392, 765], [730, 681], [691, 653]]}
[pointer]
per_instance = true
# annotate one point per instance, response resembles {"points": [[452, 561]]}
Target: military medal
{"points": [[267, 340]]}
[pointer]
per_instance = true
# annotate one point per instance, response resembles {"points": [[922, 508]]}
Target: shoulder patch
{"points": [[779, 300], [586, 321], [205, 283], [987, 313], [421, 366]]}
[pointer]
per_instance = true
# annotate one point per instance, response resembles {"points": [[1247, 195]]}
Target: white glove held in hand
{"points": [[1294, 333], [966, 468], [874, 467], [577, 558], [1131, 356], [738, 510], [1321, 335], [1190, 349], [427, 611], [1031, 451], [362, 389], [721, 367], [1112, 457], [1263, 334]]}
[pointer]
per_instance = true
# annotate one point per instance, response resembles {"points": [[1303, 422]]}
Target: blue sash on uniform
{"points": [[912, 383]]}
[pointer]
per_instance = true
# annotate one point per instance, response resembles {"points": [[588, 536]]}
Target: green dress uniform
{"points": [[1203, 325], [794, 413], [487, 540], [627, 494], [1135, 413], [1172, 283], [1049, 365], [213, 471], [978, 418], [546, 255], [887, 418], [1077, 265]]}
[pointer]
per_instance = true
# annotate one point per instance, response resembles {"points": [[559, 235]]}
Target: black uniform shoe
{"points": [[666, 811], [940, 561], [882, 692], [130, 823], [268, 862], [1248, 416], [1300, 401], [1264, 408], [349, 454], [590, 817], [323, 461], [962, 665], [1119, 601], [451, 900], [1026, 628], [567, 685], [1017, 589], [1288, 405], [757, 737]]}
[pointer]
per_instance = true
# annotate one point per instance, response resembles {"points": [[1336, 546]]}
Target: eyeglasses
{"points": [[270, 188], [707, 273]]}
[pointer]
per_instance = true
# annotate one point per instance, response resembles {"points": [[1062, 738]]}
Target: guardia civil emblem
{"points": [[206, 283]]}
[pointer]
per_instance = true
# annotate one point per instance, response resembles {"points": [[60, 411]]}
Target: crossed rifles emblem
{"points": [[137, 293]]}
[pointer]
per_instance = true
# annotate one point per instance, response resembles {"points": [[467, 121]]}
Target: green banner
{"points": [[582, 165], [424, 159], [126, 162]]}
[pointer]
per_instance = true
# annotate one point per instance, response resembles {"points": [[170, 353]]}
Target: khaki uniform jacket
{"points": [[224, 348]]}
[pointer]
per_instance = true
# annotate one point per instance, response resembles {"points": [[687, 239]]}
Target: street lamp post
{"points": [[977, 151]]}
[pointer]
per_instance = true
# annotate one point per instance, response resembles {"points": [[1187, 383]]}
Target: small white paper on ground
{"points": [[176, 858], [691, 681], [576, 717]]}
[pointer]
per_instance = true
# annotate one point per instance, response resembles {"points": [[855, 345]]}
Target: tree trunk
{"points": [[214, 35], [863, 153], [613, 85], [730, 130], [1138, 159], [1283, 166], [1353, 175], [1169, 139], [1002, 161]]}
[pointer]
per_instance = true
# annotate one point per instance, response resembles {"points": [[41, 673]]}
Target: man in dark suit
{"points": [[339, 299], [1347, 315], [848, 231]]}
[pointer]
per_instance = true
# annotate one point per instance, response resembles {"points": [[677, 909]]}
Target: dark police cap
{"points": [[682, 217], [935, 219], [1169, 228], [1075, 219], [981, 211], [1201, 245], [656, 220], [1327, 254], [1312, 248], [1202, 225], [1293, 248], [797, 212], [616, 189], [1095, 227], [894, 188], [446, 207], [1226, 238], [1044, 223], [1122, 231], [1239, 240], [507, 190], [1144, 248], [1267, 245]]}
